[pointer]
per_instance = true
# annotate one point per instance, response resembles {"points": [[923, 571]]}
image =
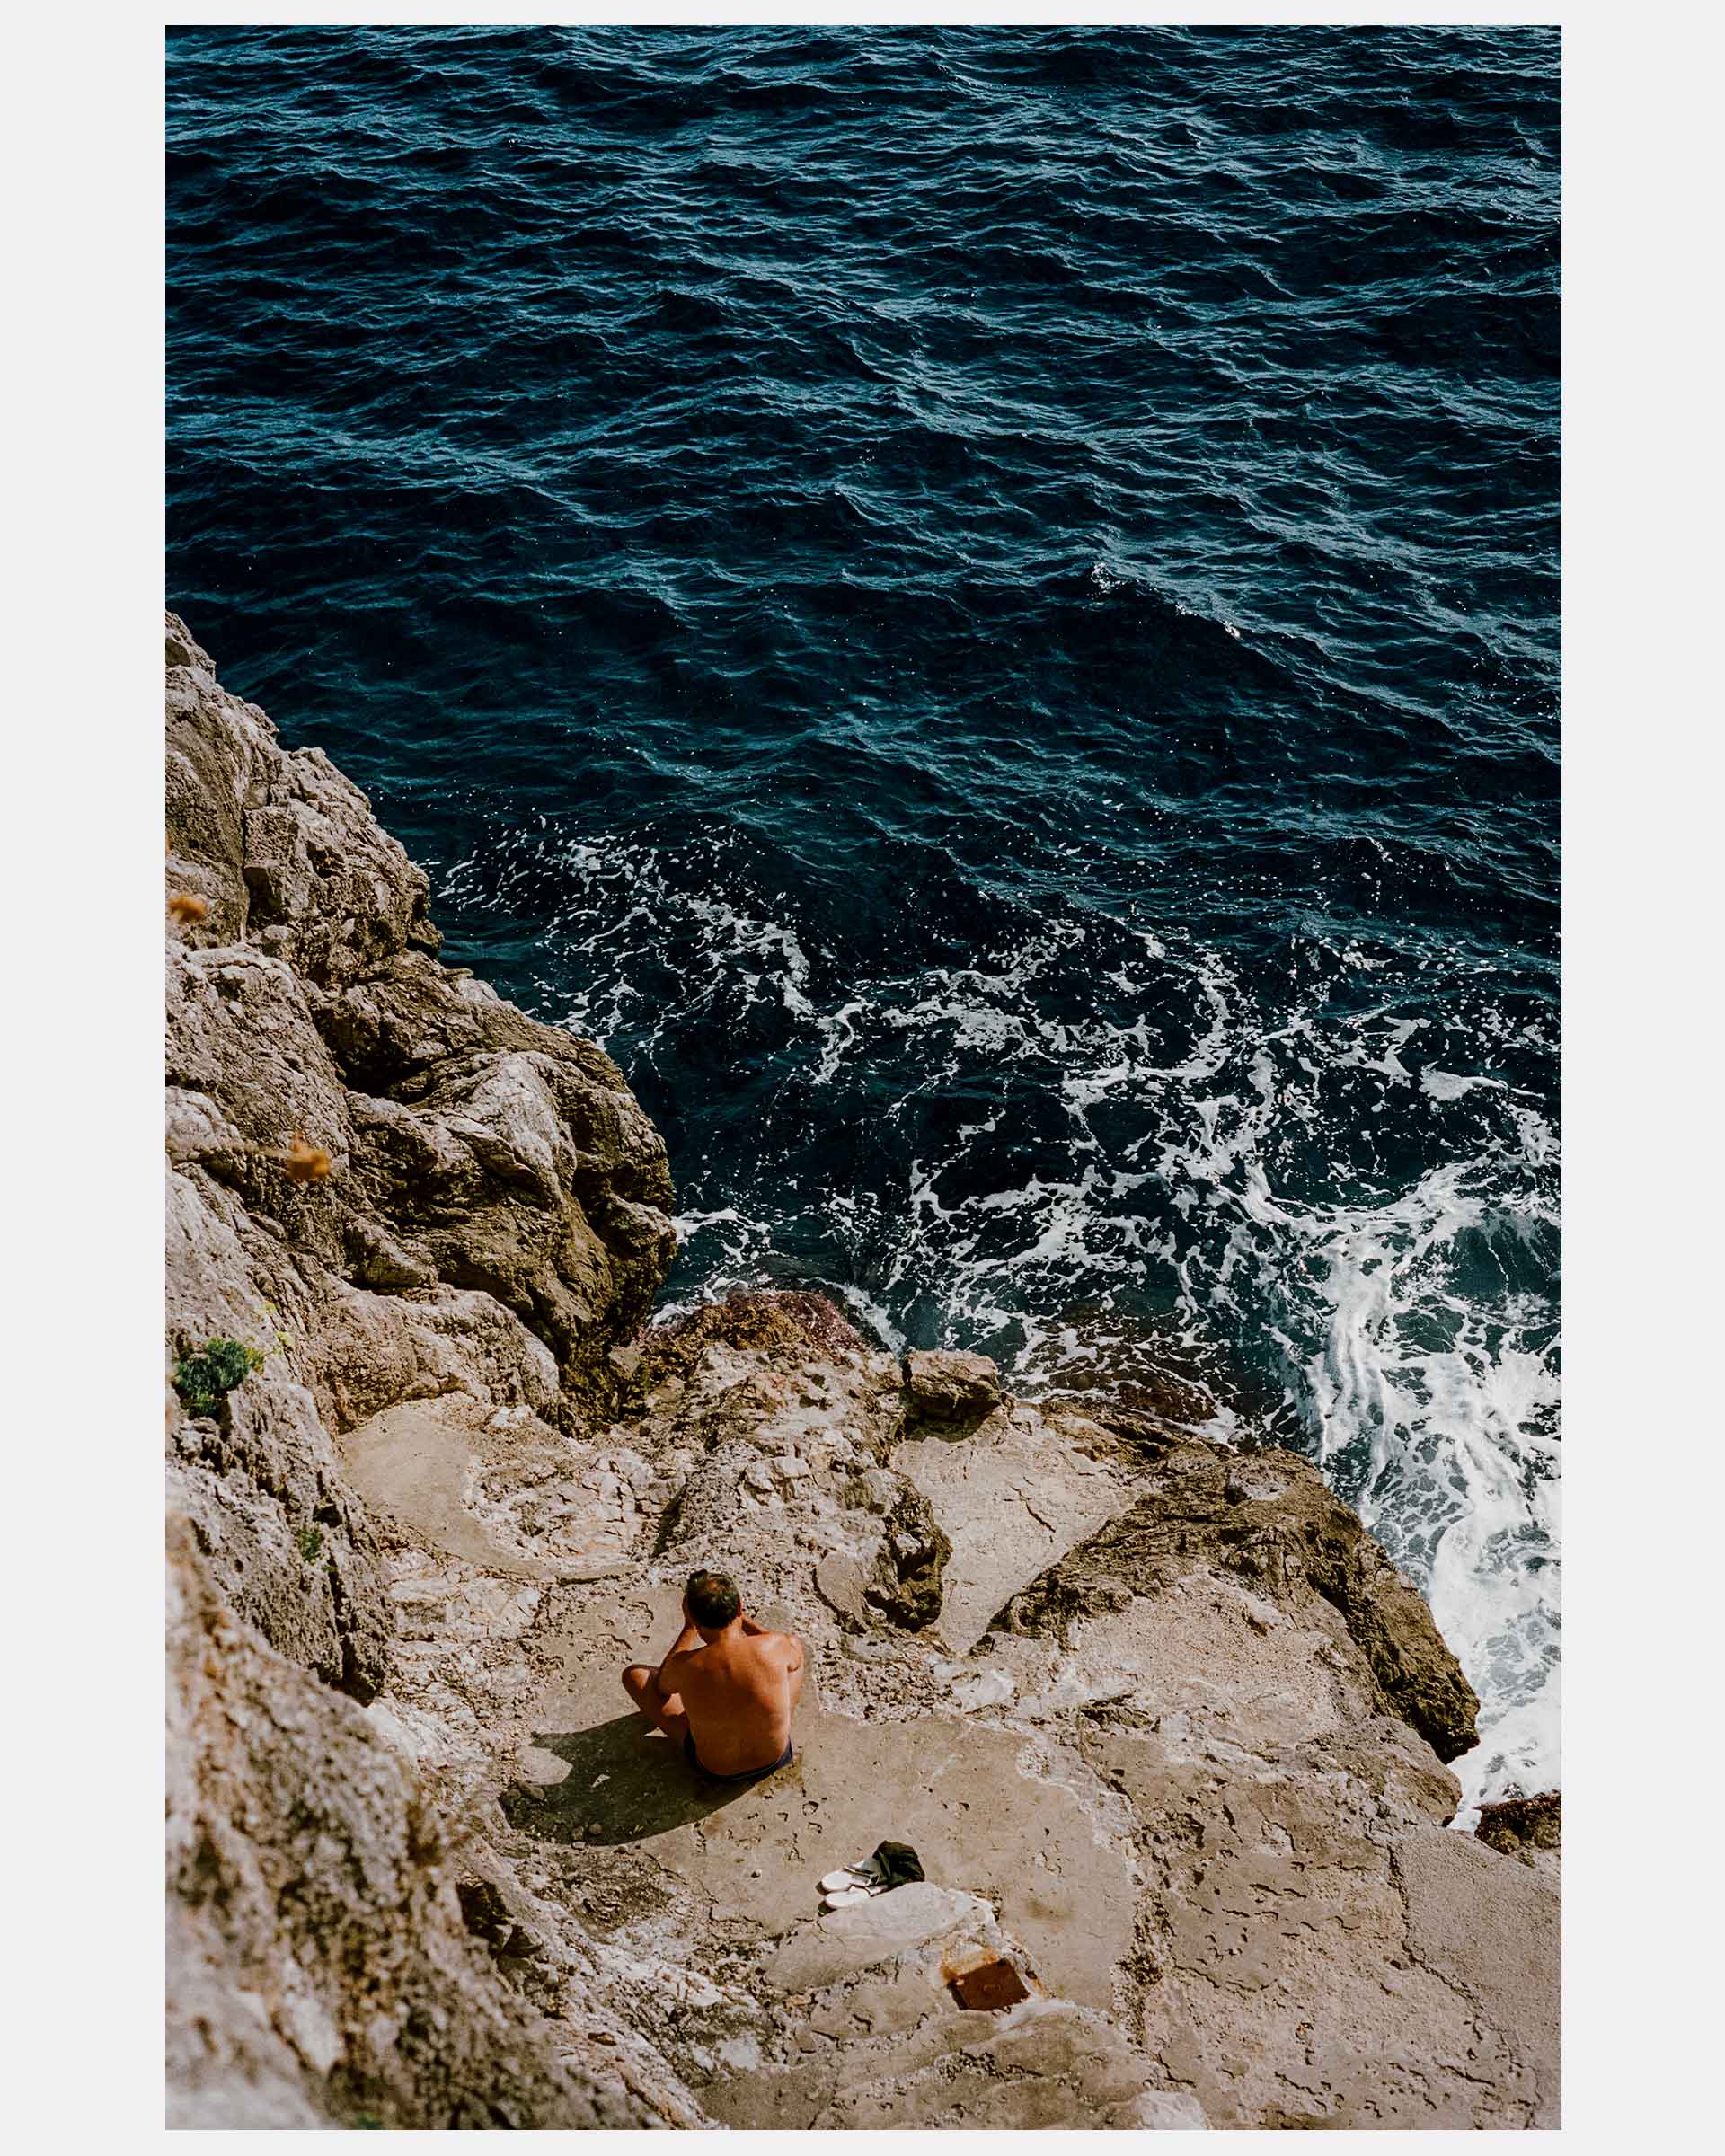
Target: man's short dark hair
{"points": [[714, 1600]]}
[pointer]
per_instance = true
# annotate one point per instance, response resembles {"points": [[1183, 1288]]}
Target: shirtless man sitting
{"points": [[727, 1690]]}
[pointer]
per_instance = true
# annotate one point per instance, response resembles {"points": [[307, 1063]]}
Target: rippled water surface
{"points": [[982, 606]]}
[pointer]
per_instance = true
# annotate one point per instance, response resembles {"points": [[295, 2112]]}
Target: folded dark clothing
{"points": [[748, 1773], [897, 1864]]}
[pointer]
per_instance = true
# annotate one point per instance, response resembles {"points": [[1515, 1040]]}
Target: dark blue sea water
{"points": [[981, 606]]}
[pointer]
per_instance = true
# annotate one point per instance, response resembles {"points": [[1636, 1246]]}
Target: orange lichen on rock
{"points": [[303, 1161]]}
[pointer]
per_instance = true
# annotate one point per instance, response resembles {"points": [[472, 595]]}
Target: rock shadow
{"points": [[625, 1783]]}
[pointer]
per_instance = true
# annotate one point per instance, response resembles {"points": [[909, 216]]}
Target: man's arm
{"points": [[688, 1641]]}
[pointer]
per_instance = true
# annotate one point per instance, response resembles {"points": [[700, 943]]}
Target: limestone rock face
{"points": [[284, 848], [1165, 1728], [1273, 1522], [472, 1148], [941, 1385], [492, 1214], [320, 1970]]}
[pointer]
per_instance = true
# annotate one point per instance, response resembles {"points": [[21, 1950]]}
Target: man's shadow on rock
{"points": [[625, 1783]]}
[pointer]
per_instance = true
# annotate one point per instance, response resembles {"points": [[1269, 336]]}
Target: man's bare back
{"points": [[728, 1687]]}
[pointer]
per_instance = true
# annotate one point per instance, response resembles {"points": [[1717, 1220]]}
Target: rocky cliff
{"points": [[1165, 1726]]}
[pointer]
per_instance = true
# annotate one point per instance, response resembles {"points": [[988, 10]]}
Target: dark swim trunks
{"points": [[748, 1773]]}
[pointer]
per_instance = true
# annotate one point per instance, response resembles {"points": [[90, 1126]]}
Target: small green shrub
{"points": [[311, 1543], [204, 1380]]}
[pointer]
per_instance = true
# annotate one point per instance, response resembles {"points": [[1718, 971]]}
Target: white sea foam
{"points": [[1451, 1085], [877, 1319]]}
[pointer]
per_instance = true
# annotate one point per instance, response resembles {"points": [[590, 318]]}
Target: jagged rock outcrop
{"points": [[319, 1969], [492, 1216], [1165, 1726], [1272, 1520], [1528, 1827], [1181, 1770], [473, 1149], [495, 1212], [941, 1385]]}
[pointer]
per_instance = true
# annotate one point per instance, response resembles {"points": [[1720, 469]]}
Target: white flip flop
{"points": [[846, 1897], [865, 1874]]}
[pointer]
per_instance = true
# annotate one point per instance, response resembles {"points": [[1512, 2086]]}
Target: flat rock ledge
{"points": [[1167, 1730]]}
